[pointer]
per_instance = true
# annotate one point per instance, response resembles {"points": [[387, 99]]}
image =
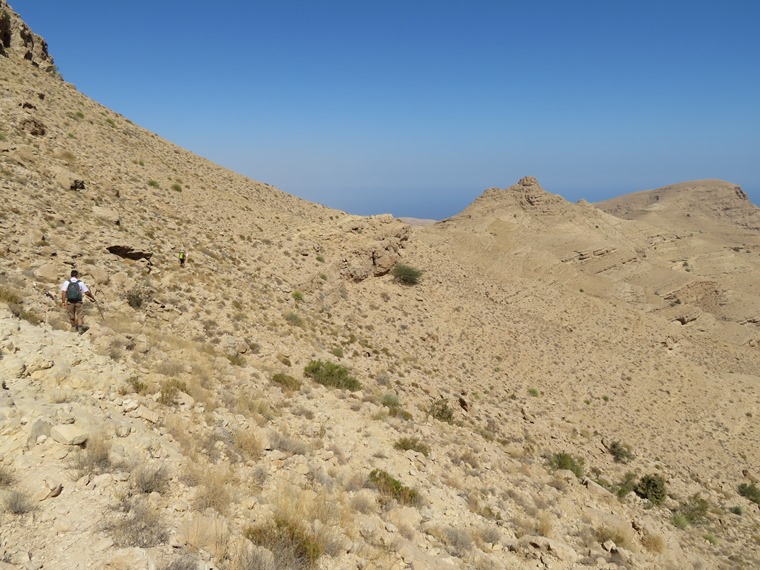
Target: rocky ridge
{"points": [[540, 330]]}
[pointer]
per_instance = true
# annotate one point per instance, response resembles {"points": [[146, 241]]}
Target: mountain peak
{"points": [[17, 41]]}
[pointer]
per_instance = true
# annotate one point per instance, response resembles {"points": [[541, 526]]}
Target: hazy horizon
{"points": [[415, 109]]}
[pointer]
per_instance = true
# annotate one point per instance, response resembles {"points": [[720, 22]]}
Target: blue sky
{"points": [[415, 107]]}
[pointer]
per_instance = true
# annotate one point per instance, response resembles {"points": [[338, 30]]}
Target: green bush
{"points": [[620, 452], [170, 390], [626, 485], [441, 411], [293, 319], [651, 487], [750, 491], [406, 274], [294, 546], [331, 374], [567, 461], [412, 443], [691, 511], [286, 382], [390, 487]]}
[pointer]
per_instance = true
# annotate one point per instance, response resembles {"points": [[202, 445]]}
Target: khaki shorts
{"points": [[76, 313]]}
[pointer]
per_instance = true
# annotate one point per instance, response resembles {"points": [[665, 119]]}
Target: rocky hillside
{"points": [[562, 386]]}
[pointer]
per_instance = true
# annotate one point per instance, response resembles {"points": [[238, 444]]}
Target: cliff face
{"points": [[19, 42]]}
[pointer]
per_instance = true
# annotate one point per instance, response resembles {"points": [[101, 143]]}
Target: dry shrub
{"points": [[456, 540], [292, 544], [287, 444], [151, 479], [95, 457], [136, 525], [469, 458], [208, 533], [7, 478], [17, 503], [540, 524], [185, 562], [619, 534], [292, 502], [339, 455], [213, 491], [653, 542], [179, 429], [61, 396], [488, 534], [544, 524], [170, 368], [253, 406], [170, 390], [248, 445]]}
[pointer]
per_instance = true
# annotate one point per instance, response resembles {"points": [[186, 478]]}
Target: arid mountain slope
{"points": [[182, 430]]}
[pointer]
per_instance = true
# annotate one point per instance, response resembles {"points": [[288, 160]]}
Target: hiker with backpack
{"points": [[182, 257], [72, 295]]}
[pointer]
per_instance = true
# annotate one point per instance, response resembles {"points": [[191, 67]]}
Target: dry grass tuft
{"points": [[248, 445], [136, 525], [213, 492], [291, 543], [7, 478], [17, 503], [653, 543], [95, 457], [151, 479]]}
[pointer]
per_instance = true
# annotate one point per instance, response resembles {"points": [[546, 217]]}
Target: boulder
{"points": [[68, 434], [50, 273]]}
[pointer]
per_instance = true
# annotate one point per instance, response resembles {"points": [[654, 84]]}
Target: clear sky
{"points": [[414, 107]]}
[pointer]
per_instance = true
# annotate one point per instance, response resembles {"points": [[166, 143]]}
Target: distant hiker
{"points": [[182, 258], [72, 293]]}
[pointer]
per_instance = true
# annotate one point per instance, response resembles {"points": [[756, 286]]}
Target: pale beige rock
{"points": [[68, 434]]}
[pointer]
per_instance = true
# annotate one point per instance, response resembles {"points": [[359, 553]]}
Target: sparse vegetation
{"points": [[441, 411], [414, 444], [750, 491], [151, 479], [95, 458], [331, 374], [293, 319], [406, 274], [10, 296], [567, 461], [620, 452], [136, 524], [170, 390], [17, 503], [292, 545], [392, 488], [138, 296], [297, 296], [286, 382], [651, 487], [7, 478]]}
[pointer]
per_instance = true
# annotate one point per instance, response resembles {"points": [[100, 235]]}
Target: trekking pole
{"points": [[102, 317]]}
